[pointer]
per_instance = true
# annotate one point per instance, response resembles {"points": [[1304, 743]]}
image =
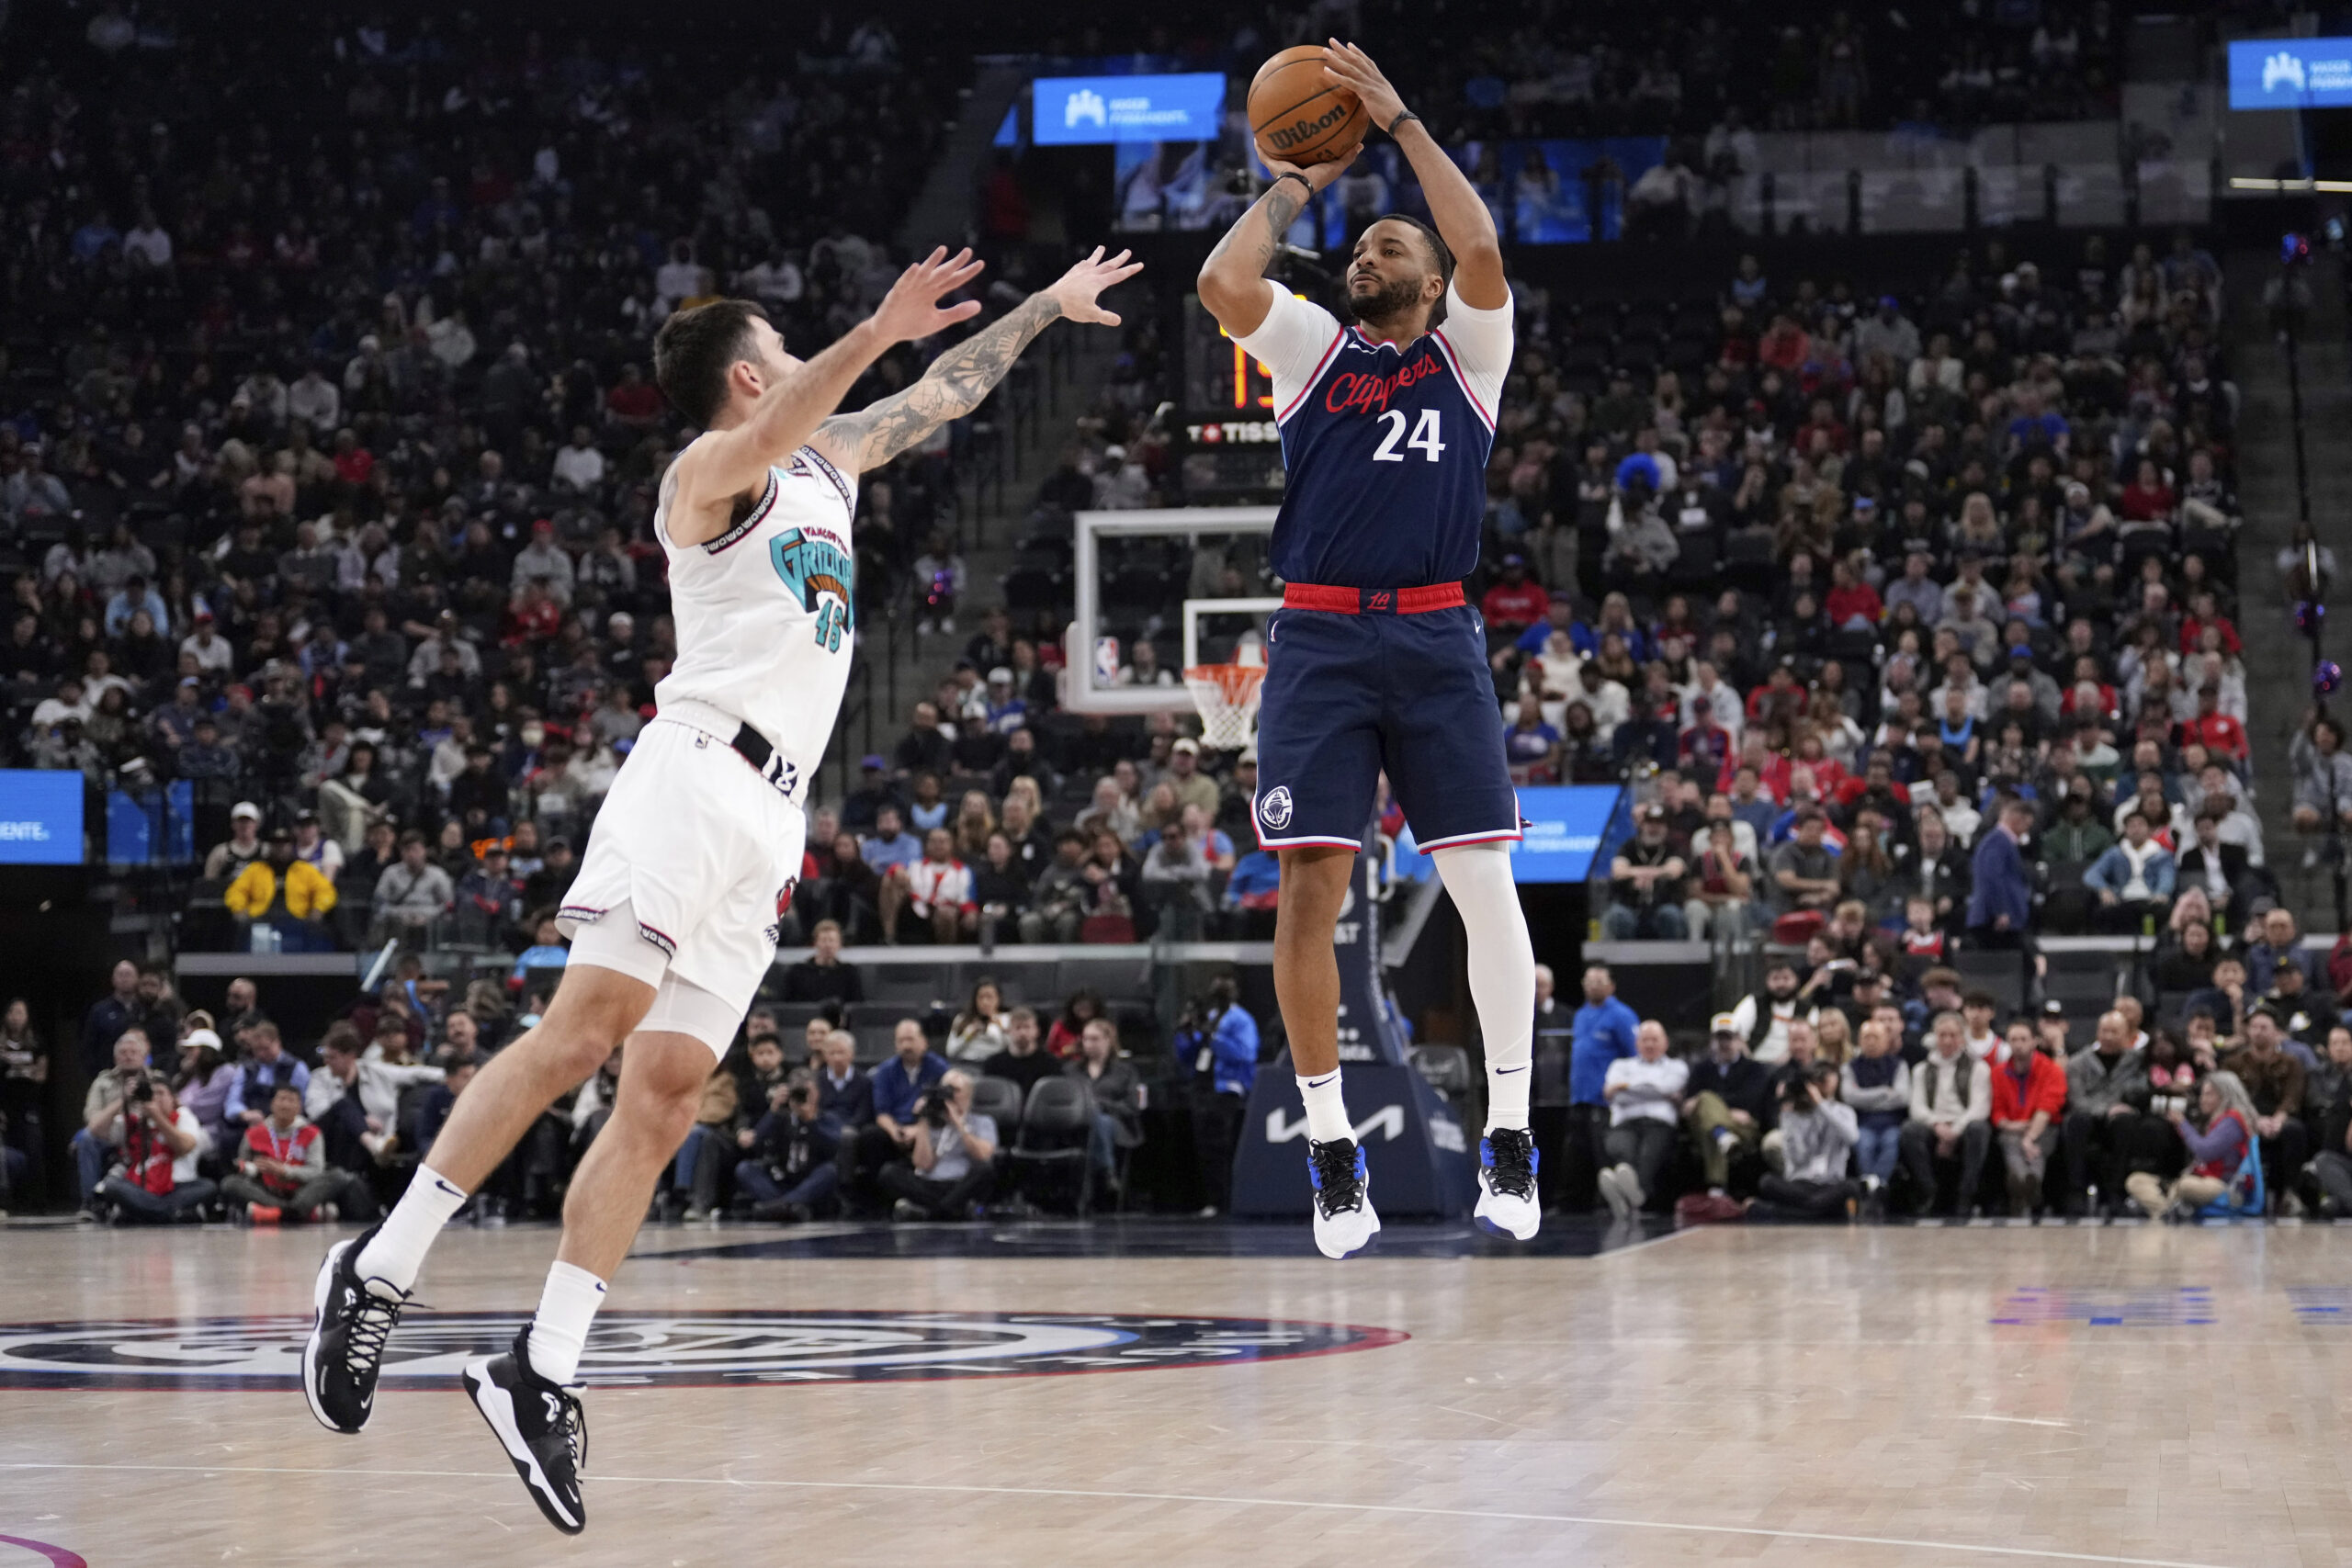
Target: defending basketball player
{"points": [[1375, 661], [673, 916]]}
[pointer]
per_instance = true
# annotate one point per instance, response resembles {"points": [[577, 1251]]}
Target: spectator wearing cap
{"points": [[1184, 775], [242, 846], [214, 657], [291, 895], [1886, 334], [486, 900], [875, 790], [1730, 1104], [313, 848], [1007, 710], [1514, 602], [2213, 729], [1646, 882], [2132, 880]]}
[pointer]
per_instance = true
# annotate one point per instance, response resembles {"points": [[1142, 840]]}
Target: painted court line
{"points": [[1399, 1509]]}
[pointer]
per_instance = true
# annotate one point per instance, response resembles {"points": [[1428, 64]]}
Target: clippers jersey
{"points": [[764, 612], [1385, 447]]}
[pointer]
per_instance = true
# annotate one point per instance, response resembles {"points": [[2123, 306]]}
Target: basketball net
{"points": [[1227, 695]]}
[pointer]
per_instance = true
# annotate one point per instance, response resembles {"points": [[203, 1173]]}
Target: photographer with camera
{"points": [[1818, 1132], [94, 1145], [951, 1169], [790, 1172], [160, 1140]]}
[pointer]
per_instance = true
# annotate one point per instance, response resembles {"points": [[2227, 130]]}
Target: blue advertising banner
{"points": [[2290, 72], [40, 816], [1565, 825], [1078, 111]]}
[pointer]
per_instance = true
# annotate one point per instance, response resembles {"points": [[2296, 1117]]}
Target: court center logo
{"points": [[673, 1349], [1274, 807]]}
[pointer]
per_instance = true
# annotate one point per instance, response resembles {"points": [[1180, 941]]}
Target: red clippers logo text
{"points": [[1371, 393]]}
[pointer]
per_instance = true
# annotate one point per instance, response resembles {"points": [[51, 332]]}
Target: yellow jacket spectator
{"points": [[308, 894]]}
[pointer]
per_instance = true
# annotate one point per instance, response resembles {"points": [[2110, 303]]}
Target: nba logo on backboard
{"points": [[1106, 661]]}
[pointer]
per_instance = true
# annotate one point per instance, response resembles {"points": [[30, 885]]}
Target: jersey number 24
{"points": [[1424, 438]]}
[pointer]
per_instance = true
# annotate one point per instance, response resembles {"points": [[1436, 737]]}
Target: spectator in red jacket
{"points": [[1515, 602], [2213, 729], [2203, 612], [2028, 1104], [1853, 604]]}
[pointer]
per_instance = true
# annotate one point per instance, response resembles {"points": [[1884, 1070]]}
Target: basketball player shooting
{"points": [[673, 916], [1375, 661]]}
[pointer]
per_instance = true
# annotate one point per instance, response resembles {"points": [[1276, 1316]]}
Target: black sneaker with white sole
{"points": [[541, 1426], [353, 1318]]}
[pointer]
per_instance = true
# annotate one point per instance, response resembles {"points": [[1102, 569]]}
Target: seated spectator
{"points": [[790, 1171], [2132, 881], [1803, 873], [2104, 1135], [156, 1180], [1763, 1018], [1646, 882], [2028, 1106], [291, 897], [282, 1170], [204, 1081], [1645, 1094], [1253, 893], [1817, 1137], [2212, 867], [1118, 1108], [1000, 890], [546, 952], [824, 976], [267, 1068], [1058, 902], [2216, 1142], [2273, 1081], [355, 1102], [2329, 1101], [1952, 1101], [1022, 1059], [1877, 1083], [930, 899], [1729, 1106], [411, 893], [884, 1129], [1174, 882], [1061, 1040], [979, 1030], [717, 1119], [950, 1170]]}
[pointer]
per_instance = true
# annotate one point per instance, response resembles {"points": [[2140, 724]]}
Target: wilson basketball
{"points": [[1297, 115]]}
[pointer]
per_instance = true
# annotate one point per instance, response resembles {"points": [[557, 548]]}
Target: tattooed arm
{"points": [[1233, 283], [959, 380]]}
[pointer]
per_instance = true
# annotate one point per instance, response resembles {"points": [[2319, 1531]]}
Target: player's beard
{"points": [[1388, 301]]}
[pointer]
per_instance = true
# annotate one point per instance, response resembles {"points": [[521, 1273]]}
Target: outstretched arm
{"points": [[959, 380], [1454, 205], [702, 486], [1233, 280]]}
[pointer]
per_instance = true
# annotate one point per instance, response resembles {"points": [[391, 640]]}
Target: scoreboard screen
{"points": [[1222, 379]]}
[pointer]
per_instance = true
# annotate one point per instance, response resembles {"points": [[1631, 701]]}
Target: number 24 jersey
{"points": [[1385, 447]]}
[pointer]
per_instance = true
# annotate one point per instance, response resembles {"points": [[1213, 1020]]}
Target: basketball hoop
{"points": [[1227, 695]]}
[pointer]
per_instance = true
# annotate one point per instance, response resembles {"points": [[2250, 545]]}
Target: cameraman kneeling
{"points": [[162, 1141], [952, 1170], [791, 1172]]}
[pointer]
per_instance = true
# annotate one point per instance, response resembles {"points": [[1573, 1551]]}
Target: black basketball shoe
{"points": [[542, 1427], [355, 1317]]}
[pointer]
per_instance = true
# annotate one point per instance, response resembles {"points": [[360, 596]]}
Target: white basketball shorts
{"points": [[697, 854]]}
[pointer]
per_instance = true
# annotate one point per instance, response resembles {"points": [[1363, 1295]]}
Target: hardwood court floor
{"points": [[1822, 1397]]}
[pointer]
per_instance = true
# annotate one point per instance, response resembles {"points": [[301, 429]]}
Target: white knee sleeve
{"points": [[1502, 971]]}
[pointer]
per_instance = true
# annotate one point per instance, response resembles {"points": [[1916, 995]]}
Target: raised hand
{"points": [[1075, 291], [1347, 66], [1318, 176], [912, 309]]}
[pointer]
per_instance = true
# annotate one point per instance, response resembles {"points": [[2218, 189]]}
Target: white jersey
{"points": [[765, 615]]}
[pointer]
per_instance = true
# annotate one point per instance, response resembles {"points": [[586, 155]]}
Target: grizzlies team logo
{"points": [[1274, 807], [695, 1349], [811, 567]]}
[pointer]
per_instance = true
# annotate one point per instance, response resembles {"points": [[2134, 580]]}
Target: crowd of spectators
{"points": [[1819, 1099], [327, 459], [190, 1117]]}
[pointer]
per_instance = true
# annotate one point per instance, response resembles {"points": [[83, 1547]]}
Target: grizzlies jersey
{"points": [[764, 612], [1385, 447]]}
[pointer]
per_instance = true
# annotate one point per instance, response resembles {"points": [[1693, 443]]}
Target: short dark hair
{"points": [[694, 347], [1439, 252]]}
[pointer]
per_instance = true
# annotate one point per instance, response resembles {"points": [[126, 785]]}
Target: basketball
{"points": [[1298, 117]]}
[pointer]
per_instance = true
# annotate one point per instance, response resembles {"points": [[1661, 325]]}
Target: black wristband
{"points": [[1293, 175], [1402, 116]]}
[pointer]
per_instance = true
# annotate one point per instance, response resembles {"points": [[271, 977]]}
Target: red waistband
{"points": [[1373, 601]]}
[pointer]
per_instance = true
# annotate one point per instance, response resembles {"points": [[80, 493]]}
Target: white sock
{"points": [[398, 1251], [1326, 1112], [560, 1330], [1502, 971]]}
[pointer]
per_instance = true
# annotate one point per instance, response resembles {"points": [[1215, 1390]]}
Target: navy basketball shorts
{"points": [[1347, 698]]}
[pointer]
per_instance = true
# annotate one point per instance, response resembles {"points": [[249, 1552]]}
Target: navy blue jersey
{"points": [[1387, 447]]}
